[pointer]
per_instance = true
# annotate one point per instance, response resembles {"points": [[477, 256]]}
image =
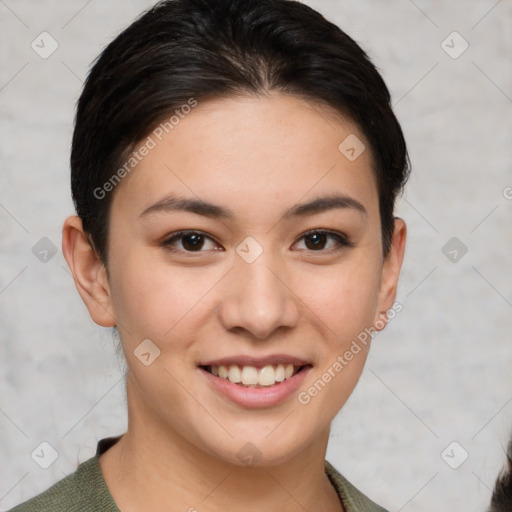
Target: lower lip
{"points": [[257, 397]]}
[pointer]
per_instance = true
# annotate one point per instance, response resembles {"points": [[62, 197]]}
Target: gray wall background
{"points": [[440, 373]]}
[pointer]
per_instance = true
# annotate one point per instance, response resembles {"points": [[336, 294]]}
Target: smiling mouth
{"points": [[251, 376]]}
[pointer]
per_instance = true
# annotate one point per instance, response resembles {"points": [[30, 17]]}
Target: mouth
{"points": [[256, 382], [251, 376]]}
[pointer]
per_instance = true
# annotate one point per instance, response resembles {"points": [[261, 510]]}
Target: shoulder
{"points": [[352, 498], [82, 491]]}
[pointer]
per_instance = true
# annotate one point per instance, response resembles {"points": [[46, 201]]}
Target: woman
{"points": [[234, 170]]}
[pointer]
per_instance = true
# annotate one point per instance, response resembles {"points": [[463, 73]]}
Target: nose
{"points": [[257, 299]]}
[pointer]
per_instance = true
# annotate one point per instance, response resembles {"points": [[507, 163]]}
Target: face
{"points": [[246, 243]]}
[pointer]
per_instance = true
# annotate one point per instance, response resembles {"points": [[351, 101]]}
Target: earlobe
{"points": [[88, 272], [390, 273]]}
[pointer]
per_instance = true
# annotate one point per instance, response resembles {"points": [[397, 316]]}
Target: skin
{"points": [[257, 156]]}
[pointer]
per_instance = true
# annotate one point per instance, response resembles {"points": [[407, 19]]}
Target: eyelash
{"points": [[341, 239]]}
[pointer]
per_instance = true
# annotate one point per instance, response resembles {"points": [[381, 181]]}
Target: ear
{"points": [[390, 273], [89, 273]]}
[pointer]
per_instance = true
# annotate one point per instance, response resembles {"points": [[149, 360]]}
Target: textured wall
{"points": [[439, 373]]}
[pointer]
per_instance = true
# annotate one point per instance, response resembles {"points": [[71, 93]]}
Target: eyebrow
{"points": [[206, 209]]}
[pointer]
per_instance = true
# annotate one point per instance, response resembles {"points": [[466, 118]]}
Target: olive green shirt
{"points": [[85, 490]]}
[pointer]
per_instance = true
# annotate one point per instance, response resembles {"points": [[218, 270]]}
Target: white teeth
{"points": [[223, 372], [267, 376], [234, 374], [251, 376], [280, 376]]}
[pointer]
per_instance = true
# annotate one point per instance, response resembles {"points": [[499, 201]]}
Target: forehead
{"points": [[252, 151]]}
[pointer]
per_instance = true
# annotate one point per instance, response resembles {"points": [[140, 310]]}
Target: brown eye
{"points": [[318, 240], [190, 241]]}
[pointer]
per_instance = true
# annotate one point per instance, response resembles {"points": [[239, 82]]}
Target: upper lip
{"points": [[258, 362]]}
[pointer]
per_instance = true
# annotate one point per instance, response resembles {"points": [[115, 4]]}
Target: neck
{"points": [[154, 468]]}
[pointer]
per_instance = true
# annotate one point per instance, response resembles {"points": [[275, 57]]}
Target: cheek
{"points": [[345, 307], [150, 299], [344, 298]]}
